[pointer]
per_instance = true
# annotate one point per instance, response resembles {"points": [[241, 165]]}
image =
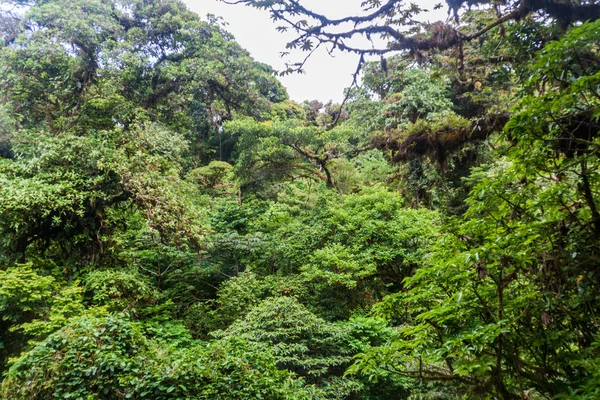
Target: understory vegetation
{"points": [[173, 226]]}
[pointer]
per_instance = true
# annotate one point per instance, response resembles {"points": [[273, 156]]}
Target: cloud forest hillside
{"points": [[173, 226]]}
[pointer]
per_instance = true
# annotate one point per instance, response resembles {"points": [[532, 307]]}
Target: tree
{"points": [[506, 34], [275, 150], [136, 86], [505, 306], [313, 348], [387, 20]]}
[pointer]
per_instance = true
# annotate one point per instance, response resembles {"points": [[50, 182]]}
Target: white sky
{"points": [[326, 76]]}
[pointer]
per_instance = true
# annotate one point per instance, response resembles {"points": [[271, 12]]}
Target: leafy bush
{"points": [[110, 358]]}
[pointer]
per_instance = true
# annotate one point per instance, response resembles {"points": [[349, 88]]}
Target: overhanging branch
{"points": [[391, 20]]}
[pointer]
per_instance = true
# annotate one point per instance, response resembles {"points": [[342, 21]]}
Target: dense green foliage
{"points": [[110, 357], [173, 226]]}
